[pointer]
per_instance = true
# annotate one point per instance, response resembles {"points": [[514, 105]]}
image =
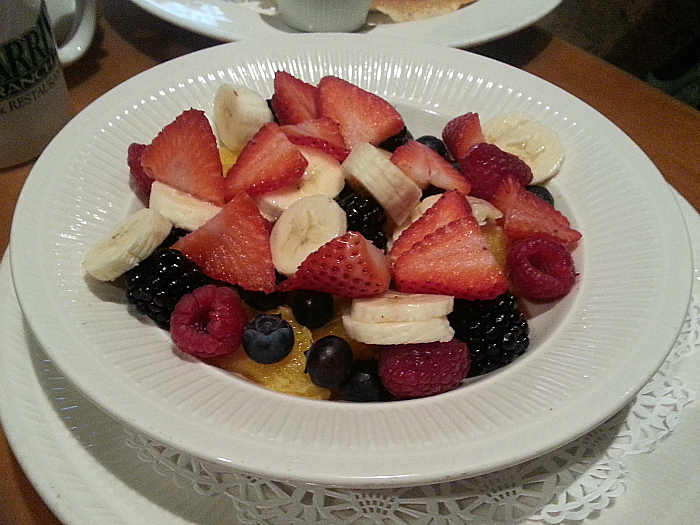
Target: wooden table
{"points": [[130, 41]]}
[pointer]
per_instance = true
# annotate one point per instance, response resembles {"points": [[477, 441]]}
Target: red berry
{"points": [[294, 100], [454, 260], [269, 161], [461, 133], [348, 266], [451, 206], [208, 322], [227, 244], [361, 115], [540, 269], [142, 182], [321, 133], [526, 215], [425, 166], [486, 165], [185, 155], [426, 369]]}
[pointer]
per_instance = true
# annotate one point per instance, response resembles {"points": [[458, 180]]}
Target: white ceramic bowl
{"points": [[590, 352]]}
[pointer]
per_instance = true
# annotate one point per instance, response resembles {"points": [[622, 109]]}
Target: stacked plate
{"points": [[476, 23], [590, 353]]}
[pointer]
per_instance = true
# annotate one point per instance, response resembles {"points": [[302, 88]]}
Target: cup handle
{"points": [[85, 22]]}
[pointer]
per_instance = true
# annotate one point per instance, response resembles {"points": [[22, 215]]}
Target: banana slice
{"points": [[180, 208], [398, 333], [303, 228], [323, 176], [533, 142], [398, 307], [238, 114], [129, 243], [483, 210], [371, 170]]}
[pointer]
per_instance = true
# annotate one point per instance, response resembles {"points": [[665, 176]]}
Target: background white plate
{"points": [[230, 20], [590, 353]]}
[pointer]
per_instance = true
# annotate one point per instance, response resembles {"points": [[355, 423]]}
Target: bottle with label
{"points": [[34, 102]]}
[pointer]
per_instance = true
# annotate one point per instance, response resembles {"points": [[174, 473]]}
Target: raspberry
{"points": [[486, 165], [142, 182], [540, 269], [208, 322], [425, 369], [495, 331]]}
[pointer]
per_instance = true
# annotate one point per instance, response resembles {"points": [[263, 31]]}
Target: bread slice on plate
{"points": [[409, 10]]}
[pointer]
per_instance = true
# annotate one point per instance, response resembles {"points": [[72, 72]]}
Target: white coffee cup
{"points": [[34, 102], [324, 15]]}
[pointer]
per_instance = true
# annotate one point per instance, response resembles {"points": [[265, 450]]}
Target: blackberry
{"points": [[495, 331], [156, 285], [175, 235], [365, 215]]}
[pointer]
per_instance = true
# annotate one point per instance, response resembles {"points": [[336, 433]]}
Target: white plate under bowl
{"points": [[590, 352], [229, 20]]}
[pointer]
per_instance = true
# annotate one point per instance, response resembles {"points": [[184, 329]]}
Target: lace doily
{"points": [[567, 485]]}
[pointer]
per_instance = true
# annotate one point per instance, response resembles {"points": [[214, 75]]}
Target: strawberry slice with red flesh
{"points": [[348, 266], [233, 246], [451, 206], [269, 161], [454, 260], [425, 166], [461, 133], [185, 156], [362, 116], [486, 166], [294, 100], [526, 215], [321, 133]]}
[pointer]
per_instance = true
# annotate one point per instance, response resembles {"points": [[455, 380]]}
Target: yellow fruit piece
{"points": [[497, 241], [228, 158], [286, 376]]}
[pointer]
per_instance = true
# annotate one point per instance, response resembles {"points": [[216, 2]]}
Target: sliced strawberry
{"points": [[348, 266], [455, 260], [267, 162], [461, 133], [294, 100], [451, 206], [233, 246], [486, 166], [185, 155], [426, 166], [321, 133], [526, 215], [362, 116]]}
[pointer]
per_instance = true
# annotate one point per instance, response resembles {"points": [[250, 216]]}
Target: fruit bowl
{"points": [[590, 352]]}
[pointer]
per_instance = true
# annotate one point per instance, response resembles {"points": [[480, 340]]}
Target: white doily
{"points": [[567, 485]]}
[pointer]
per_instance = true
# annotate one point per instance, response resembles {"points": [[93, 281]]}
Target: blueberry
{"points": [[268, 339], [542, 192], [312, 309], [262, 301], [397, 140], [328, 361], [434, 143], [364, 385]]}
